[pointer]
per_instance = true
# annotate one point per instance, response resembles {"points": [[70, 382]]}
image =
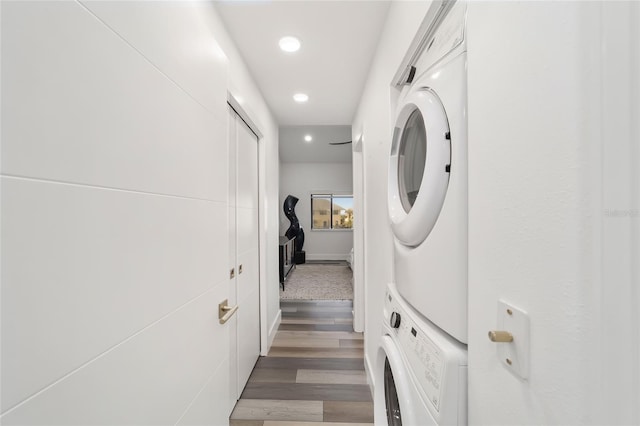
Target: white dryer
{"points": [[427, 193], [421, 372]]}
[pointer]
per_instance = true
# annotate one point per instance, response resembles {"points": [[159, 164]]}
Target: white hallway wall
{"points": [[303, 179], [113, 207], [553, 151]]}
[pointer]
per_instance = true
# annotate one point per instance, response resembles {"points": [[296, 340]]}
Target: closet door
{"points": [[243, 251]]}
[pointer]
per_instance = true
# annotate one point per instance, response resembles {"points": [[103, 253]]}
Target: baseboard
{"points": [[326, 256], [369, 371], [274, 329]]}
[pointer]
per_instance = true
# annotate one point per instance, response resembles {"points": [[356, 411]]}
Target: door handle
{"points": [[225, 312], [232, 273], [239, 269]]}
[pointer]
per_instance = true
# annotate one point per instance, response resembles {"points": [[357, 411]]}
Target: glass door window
{"points": [[412, 159], [391, 397]]}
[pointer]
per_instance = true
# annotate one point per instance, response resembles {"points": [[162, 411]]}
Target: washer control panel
{"points": [[427, 362], [394, 321], [423, 355]]}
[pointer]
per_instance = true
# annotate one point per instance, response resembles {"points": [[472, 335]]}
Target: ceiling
{"points": [[294, 149], [338, 41]]}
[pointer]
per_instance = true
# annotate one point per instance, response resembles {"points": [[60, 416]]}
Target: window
{"points": [[329, 211]]}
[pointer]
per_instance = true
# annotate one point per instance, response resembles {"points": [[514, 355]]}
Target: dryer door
{"points": [[419, 166]]}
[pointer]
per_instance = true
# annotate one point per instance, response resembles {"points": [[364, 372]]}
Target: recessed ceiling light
{"points": [[289, 44], [300, 97], [308, 138]]}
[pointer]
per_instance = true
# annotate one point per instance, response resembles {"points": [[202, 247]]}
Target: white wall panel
{"points": [[147, 380], [619, 304], [114, 194], [533, 221], [204, 410], [177, 37], [84, 268], [88, 108], [128, 96]]}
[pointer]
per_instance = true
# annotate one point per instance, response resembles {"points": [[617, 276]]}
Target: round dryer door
{"points": [[419, 166]]}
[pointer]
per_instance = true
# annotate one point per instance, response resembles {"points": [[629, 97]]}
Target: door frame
{"points": [[232, 101], [359, 244]]}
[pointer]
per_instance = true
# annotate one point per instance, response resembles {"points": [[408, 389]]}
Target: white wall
{"points": [[373, 122], [114, 201], [303, 179], [620, 147], [634, 111], [553, 151], [550, 154]]}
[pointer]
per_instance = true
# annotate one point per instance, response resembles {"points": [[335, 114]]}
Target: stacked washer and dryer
{"points": [[421, 367]]}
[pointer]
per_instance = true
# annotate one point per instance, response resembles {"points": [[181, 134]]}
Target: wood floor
{"points": [[314, 373]]}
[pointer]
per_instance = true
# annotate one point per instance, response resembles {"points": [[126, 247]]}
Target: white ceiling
{"points": [[294, 149], [338, 42]]}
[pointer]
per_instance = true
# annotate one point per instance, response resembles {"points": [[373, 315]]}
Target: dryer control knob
{"points": [[394, 322]]}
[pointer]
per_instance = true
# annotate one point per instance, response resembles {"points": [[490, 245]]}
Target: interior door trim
{"points": [[237, 108]]}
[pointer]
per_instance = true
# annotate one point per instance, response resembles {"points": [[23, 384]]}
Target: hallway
{"points": [[314, 371], [127, 235]]}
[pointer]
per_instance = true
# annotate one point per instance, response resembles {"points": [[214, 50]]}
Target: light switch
{"points": [[514, 354]]}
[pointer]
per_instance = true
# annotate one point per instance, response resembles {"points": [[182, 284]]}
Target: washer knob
{"points": [[394, 322]]}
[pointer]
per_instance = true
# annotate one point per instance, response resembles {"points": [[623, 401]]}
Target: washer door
{"points": [[395, 397], [419, 166], [397, 400], [392, 404]]}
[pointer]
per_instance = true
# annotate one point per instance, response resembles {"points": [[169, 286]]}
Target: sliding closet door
{"points": [[243, 251]]}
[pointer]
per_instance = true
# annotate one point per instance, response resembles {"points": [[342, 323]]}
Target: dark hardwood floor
{"points": [[314, 373]]}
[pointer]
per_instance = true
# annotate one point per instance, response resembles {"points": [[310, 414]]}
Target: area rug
{"points": [[318, 282]]}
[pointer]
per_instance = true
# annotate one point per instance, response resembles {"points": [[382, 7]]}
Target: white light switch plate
{"points": [[514, 355]]}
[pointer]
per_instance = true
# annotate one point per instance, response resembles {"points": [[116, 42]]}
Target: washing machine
{"points": [[427, 192], [421, 372]]}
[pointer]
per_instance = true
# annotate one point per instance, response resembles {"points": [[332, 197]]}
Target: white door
{"points": [[244, 292]]}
